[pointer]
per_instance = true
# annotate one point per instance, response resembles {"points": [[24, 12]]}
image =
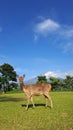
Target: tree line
{"points": [[8, 80], [58, 84]]}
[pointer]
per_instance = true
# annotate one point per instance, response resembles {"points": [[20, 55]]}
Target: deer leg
{"points": [[49, 97], [46, 102], [32, 102], [27, 103]]}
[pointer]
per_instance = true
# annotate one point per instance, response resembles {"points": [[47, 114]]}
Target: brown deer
{"points": [[36, 90]]}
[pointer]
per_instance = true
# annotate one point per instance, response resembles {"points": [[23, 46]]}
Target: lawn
{"points": [[13, 115]]}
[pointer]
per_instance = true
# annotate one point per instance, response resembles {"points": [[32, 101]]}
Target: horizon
{"points": [[37, 36]]}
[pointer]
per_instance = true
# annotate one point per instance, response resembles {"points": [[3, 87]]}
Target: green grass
{"points": [[13, 115]]}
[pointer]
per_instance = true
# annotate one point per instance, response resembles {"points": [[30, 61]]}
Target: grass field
{"points": [[13, 115]]}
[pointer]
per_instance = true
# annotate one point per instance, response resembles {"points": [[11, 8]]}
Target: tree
{"points": [[55, 83], [12, 86], [0, 82], [62, 84], [42, 79], [7, 74], [68, 83], [4, 83]]}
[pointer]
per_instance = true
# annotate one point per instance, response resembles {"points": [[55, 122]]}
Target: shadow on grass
{"points": [[7, 99], [36, 105]]}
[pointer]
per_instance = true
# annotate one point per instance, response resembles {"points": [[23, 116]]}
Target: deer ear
{"points": [[23, 75]]}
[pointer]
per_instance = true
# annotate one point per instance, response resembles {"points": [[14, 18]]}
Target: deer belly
{"points": [[37, 93]]}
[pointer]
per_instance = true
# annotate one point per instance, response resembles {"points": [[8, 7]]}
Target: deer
{"points": [[35, 90]]}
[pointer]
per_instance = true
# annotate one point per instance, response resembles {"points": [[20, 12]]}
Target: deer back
{"points": [[37, 89]]}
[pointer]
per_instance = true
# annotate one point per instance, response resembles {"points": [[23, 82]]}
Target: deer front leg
{"points": [[27, 103], [32, 102]]}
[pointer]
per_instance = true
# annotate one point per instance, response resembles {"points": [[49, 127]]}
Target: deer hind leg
{"points": [[48, 97]]}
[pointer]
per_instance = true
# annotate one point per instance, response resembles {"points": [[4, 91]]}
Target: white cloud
{"points": [[61, 35], [46, 26], [50, 73], [49, 26], [58, 74]]}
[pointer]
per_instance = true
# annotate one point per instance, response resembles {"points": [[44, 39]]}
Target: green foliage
{"points": [[62, 84], [7, 74], [41, 79], [13, 86], [57, 83], [54, 82]]}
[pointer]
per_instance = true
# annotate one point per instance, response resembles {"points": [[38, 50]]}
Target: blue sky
{"points": [[36, 36]]}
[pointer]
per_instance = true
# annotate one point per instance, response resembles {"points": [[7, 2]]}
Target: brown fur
{"points": [[35, 89]]}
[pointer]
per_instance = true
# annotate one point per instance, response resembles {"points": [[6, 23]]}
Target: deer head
{"points": [[21, 78]]}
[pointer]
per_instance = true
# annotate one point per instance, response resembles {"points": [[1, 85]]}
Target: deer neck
{"points": [[22, 85]]}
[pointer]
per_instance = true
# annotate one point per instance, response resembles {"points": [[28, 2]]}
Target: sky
{"points": [[36, 36]]}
